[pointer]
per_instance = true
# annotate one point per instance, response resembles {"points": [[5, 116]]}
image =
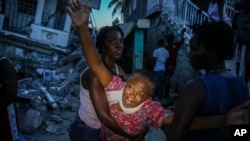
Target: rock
{"points": [[30, 121]]}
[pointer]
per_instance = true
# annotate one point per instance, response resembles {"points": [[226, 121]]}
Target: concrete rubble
{"points": [[48, 91]]}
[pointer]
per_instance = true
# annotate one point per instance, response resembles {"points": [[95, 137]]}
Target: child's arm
{"points": [[237, 115], [80, 16]]}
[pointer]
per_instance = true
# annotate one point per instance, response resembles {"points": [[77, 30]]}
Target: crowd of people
{"points": [[164, 60], [160, 55]]}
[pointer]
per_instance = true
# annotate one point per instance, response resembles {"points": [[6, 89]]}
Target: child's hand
{"points": [[79, 13], [240, 114]]}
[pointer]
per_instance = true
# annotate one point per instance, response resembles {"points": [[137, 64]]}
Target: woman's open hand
{"points": [[239, 114], [78, 12]]}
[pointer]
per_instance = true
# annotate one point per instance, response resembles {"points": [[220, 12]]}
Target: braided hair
{"points": [[100, 42], [101, 37], [218, 37]]}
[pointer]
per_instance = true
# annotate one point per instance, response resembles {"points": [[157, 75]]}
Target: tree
{"points": [[117, 4], [116, 21]]}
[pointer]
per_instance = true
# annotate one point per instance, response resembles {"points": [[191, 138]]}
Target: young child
{"points": [[128, 100], [132, 106]]}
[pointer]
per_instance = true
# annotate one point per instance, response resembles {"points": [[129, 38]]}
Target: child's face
{"points": [[135, 92]]}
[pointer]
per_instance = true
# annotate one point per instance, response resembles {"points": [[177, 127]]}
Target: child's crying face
{"points": [[136, 91]]}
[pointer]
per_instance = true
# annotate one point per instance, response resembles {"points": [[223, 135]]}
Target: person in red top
{"points": [[171, 62]]}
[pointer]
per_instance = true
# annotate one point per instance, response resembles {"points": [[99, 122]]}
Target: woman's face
{"points": [[113, 45], [136, 91]]}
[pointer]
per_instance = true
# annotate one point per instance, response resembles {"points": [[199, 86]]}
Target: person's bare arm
{"points": [[80, 17], [238, 115], [204, 123], [184, 118], [9, 84], [186, 109]]}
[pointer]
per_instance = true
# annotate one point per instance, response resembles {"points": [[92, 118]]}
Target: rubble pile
{"points": [[48, 92]]}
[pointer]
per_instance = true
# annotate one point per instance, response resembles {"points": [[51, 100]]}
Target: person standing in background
{"points": [[241, 26], [8, 94], [172, 47], [215, 9], [160, 56]]}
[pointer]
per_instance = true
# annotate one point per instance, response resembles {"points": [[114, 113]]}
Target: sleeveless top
{"points": [[222, 94], [86, 110], [10, 128]]}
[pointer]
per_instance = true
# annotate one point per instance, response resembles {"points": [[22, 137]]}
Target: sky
{"points": [[103, 16]]}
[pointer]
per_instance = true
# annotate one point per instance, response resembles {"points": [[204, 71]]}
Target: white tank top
{"points": [[86, 110]]}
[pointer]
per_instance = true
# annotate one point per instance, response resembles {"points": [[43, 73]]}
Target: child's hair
{"points": [[100, 41], [101, 37], [147, 75], [218, 37]]}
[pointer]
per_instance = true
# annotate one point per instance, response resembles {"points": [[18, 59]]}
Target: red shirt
{"points": [[173, 50]]}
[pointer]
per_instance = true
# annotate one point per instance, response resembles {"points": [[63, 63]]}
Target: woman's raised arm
{"points": [[80, 17]]}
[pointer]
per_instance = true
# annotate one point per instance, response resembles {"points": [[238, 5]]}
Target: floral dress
{"points": [[151, 113]]}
